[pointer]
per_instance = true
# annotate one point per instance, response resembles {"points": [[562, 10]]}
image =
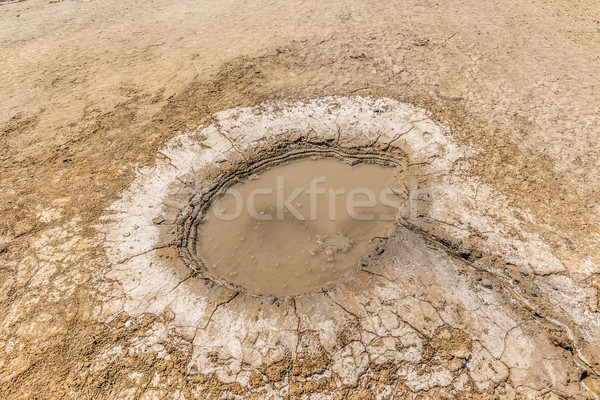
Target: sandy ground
{"points": [[93, 91]]}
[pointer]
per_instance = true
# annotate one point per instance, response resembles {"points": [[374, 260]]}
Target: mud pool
{"points": [[298, 227]]}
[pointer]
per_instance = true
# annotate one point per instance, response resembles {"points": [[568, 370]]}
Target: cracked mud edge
{"points": [[469, 259]]}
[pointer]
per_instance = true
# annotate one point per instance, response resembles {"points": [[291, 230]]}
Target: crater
{"points": [[295, 223], [453, 302]]}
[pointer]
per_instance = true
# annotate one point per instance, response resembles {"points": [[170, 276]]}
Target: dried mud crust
{"points": [[441, 310], [515, 84]]}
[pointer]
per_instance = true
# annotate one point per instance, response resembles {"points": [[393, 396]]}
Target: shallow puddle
{"points": [[299, 226]]}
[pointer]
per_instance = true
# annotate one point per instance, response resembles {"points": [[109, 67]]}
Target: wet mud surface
{"points": [[297, 227]]}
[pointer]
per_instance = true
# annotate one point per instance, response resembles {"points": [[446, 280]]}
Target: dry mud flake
{"points": [[452, 303]]}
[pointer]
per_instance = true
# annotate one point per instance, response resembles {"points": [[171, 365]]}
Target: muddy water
{"points": [[299, 226]]}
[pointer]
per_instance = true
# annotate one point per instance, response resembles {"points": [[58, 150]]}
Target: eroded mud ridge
{"points": [[292, 224], [453, 303]]}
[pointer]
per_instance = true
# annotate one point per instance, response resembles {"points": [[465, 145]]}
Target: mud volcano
{"points": [[276, 289]]}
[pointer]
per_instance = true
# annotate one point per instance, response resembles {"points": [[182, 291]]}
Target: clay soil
{"points": [[90, 91]]}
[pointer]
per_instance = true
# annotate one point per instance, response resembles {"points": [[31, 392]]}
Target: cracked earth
{"points": [[119, 119]]}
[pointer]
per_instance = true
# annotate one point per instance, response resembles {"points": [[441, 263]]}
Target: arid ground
{"points": [[114, 115]]}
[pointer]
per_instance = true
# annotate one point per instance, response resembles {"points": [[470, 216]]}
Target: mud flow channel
{"points": [[297, 227]]}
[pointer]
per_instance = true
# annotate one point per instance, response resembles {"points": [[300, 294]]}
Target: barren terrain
{"points": [[114, 113]]}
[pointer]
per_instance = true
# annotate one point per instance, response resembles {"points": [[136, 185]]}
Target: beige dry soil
{"points": [[120, 118]]}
